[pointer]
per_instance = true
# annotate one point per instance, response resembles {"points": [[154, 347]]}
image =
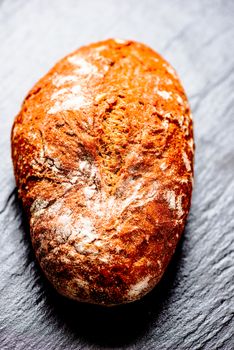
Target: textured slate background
{"points": [[193, 306]]}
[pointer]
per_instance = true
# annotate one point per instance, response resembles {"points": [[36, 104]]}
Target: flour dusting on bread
{"points": [[103, 159]]}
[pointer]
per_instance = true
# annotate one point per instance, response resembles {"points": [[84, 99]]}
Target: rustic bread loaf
{"points": [[103, 160]]}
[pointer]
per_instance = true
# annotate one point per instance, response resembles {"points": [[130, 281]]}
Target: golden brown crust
{"points": [[103, 160]]}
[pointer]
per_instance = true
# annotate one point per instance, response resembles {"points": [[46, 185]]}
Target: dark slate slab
{"points": [[193, 306]]}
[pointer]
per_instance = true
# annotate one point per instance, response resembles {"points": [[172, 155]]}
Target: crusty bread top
{"points": [[103, 159]]}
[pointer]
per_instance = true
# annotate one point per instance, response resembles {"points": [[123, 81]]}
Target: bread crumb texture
{"points": [[103, 159]]}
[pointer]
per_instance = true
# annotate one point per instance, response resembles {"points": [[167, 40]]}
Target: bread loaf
{"points": [[103, 159]]}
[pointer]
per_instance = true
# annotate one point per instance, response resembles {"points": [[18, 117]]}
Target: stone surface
{"points": [[193, 306]]}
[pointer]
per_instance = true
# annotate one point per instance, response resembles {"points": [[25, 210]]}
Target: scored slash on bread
{"points": [[103, 159]]}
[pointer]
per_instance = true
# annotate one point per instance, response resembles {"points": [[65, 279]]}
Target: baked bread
{"points": [[103, 159]]}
